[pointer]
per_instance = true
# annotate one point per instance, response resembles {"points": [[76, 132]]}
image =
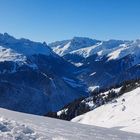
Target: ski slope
{"points": [[123, 113], [15, 126]]}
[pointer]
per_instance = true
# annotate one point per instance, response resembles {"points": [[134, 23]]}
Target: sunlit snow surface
{"points": [[19, 126], [123, 114], [18, 50], [112, 49]]}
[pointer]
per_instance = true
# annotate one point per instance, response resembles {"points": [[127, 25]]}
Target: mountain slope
{"points": [[122, 113], [14, 125], [32, 79], [102, 64], [85, 47], [67, 46]]}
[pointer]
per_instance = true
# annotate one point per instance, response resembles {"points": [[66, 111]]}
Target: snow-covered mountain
{"points": [[101, 64], [15, 126], [122, 113], [86, 47], [68, 46], [33, 78]]}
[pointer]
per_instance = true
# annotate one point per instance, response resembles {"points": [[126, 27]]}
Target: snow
{"points": [[17, 50], [92, 105], [61, 51], [92, 88], [21, 51], [123, 114], [10, 130], [7, 54], [112, 49], [86, 47], [61, 111], [69, 46], [92, 74], [15, 126], [116, 54], [77, 64], [85, 52], [10, 55], [132, 48], [113, 89]]}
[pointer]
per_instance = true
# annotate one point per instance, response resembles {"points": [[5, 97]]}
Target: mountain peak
{"points": [[80, 38], [6, 34], [6, 37], [11, 49], [64, 47], [84, 40]]}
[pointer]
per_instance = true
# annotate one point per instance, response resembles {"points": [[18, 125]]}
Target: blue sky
{"points": [[51, 20]]}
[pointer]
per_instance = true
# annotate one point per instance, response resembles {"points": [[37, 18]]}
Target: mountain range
{"points": [[33, 79], [38, 78], [101, 64]]}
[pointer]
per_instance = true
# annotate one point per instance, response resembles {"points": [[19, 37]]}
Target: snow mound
{"points": [[11, 130], [123, 114]]}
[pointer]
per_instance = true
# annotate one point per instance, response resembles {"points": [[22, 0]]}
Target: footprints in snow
{"points": [[123, 107]]}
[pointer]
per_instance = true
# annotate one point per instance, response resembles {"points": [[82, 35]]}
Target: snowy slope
{"points": [[123, 114], [24, 46], [18, 50], [64, 47], [85, 47], [112, 61], [101, 48], [15, 126], [132, 48]]}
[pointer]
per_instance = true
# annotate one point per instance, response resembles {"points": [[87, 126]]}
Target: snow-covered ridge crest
{"points": [[85, 47], [18, 49], [10, 55], [64, 47], [21, 52], [131, 48]]}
